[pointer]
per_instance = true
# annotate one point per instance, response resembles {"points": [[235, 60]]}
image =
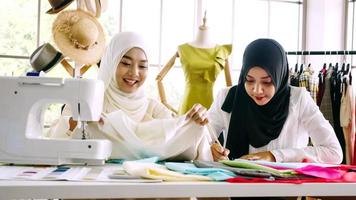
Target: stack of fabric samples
{"points": [[239, 170]]}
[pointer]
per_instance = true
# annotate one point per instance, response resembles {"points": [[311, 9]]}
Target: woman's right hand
{"points": [[199, 114], [219, 152], [72, 124]]}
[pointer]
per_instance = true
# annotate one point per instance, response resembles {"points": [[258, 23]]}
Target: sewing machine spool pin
{"points": [[84, 134]]}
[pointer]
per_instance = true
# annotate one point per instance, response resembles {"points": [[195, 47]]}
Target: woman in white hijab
{"points": [[139, 127]]}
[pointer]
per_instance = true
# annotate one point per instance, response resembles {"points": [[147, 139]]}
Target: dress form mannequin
{"points": [[200, 77]]}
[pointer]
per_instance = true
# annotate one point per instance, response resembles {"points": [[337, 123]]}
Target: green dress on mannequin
{"points": [[201, 67]]}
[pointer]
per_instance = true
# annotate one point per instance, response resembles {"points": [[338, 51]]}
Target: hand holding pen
{"points": [[218, 151]]}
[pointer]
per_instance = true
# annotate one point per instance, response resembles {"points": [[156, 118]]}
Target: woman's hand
{"points": [[265, 155], [199, 114], [219, 152], [72, 124], [101, 121]]}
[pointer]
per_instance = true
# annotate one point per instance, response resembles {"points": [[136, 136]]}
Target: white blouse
{"points": [[304, 120]]}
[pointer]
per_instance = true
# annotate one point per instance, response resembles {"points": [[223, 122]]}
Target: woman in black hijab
{"points": [[264, 118]]}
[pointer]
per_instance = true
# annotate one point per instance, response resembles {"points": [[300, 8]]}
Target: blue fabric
{"points": [[149, 160], [189, 168]]}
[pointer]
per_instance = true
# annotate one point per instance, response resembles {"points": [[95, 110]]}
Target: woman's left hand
{"points": [[265, 155], [199, 114]]}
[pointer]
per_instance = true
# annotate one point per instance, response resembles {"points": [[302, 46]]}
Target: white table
{"points": [[68, 189]]}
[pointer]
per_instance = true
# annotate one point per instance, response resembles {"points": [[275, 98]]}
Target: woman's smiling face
{"points": [[132, 70]]}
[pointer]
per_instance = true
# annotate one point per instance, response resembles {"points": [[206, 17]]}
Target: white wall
{"points": [[325, 29]]}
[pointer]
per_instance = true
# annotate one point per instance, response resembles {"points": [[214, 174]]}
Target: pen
{"points": [[212, 133]]}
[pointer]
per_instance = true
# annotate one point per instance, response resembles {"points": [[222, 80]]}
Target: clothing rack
{"points": [[321, 53]]}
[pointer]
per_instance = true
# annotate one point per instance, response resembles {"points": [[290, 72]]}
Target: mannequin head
{"points": [[203, 36], [204, 26]]}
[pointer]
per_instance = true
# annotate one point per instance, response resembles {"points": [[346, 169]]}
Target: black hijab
{"points": [[251, 124]]}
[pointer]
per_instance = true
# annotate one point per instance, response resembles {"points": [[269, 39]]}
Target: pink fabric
{"points": [[321, 172], [292, 181], [349, 177]]}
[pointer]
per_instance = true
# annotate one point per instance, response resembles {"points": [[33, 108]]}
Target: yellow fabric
{"points": [[201, 66], [159, 172]]}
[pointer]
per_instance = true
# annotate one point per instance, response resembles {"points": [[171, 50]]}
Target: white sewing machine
{"points": [[21, 104]]}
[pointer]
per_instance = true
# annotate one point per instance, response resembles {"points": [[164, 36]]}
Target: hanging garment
{"points": [[325, 104], [313, 88], [294, 77], [307, 80], [321, 85], [335, 103], [304, 80], [346, 119], [201, 67], [321, 88]]}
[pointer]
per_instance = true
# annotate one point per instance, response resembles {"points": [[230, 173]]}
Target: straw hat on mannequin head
{"points": [[79, 36]]}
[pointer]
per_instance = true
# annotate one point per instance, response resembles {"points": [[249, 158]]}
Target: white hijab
{"points": [[133, 104]]}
